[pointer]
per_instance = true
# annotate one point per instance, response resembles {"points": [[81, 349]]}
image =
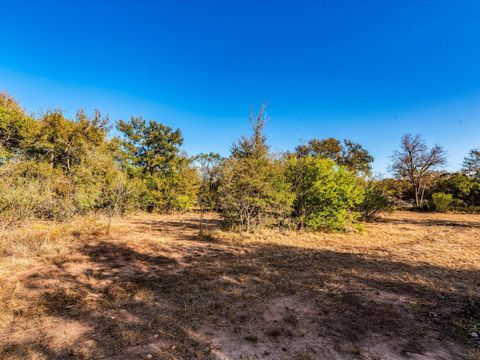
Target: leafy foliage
{"points": [[464, 189], [442, 202], [376, 200], [396, 191], [349, 154], [471, 164], [253, 190], [326, 194], [254, 193], [151, 152], [15, 126], [57, 167], [208, 166], [54, 167], [66, 143]]}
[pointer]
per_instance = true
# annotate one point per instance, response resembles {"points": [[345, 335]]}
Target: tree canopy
{"points": [[416, 163], [349, 154], [53, 167]]}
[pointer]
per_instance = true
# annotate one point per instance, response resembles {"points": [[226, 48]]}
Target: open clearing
{"points": [[405, 288]]}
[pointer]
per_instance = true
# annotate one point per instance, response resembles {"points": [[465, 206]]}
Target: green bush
{"points": [[464, 188], [253, 190], [442, 202], [150, 152], [31, 189], [326, 195], [375, 200], [253, 193]]}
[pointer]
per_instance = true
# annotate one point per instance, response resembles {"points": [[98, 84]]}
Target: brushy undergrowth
{"points": [[36, 237]]}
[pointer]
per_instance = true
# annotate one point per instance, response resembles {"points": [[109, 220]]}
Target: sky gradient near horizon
{"points": [[367, 71]]}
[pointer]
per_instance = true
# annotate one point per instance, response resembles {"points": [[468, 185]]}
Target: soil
{"points": [[157, 289]]}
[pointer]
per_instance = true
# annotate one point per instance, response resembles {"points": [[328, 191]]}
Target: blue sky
{"points": [[368, 71]]}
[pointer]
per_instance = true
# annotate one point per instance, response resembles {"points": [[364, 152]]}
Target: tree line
{"points": [[55, 167]]}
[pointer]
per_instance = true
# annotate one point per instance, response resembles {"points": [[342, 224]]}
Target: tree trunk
{"points": [[421, 198], [417, 200]]}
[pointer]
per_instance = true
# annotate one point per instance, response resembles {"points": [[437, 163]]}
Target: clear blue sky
{"points": [[368, 71]]}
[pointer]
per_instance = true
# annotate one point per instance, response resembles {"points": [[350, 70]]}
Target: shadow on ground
{"points": [[218, 300], [425, 221]]}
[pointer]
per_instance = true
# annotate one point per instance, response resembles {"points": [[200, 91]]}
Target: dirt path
{"points": [[156, 289]]}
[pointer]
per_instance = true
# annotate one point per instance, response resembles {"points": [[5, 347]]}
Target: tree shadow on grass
{"points": [[135, 302]]}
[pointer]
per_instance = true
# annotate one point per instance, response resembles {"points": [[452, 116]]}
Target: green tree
{"points": [[151, 152], [461, 186], [208, 166], [330, 148], [376, 199], [356, 158], [471, 164], [150, 147], [15, 127], [396, 191], [253, 190], [254, 193], [326, 194], [349, 154], [65, 143], [254, 146]]}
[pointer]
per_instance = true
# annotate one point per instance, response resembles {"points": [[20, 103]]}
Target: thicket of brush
{"points": [[54, 168]]}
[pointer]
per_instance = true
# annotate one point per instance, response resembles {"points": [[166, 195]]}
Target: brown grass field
{"points": [[407, 287]]}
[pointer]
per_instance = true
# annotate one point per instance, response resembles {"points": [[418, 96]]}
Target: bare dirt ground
{"points": [[405, 288]]}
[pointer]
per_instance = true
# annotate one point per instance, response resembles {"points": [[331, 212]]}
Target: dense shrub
{"points": [[397, 192], [150, 152], [34, 190], [30, 189], [253, 192], [15, 127], [55, 167], [326, 194], [465, 189], [442, 202], [209, 169], [375, 200]]}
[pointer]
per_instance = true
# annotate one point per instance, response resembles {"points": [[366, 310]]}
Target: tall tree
{"points": [[330, 148], [208, 166], [15, 126], [65, 142], [151, 147], [349, 154], [356, 158], [416, 163], [151, 152], [254, 146], [471, 164], [253, 189]]}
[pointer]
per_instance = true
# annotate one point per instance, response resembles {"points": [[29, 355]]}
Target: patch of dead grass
{"points": [[408, 285], [32, 244]]}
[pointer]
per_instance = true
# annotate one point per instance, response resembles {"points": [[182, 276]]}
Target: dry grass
{"points": [[35, 243], [21, 245], [408, 286]]}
